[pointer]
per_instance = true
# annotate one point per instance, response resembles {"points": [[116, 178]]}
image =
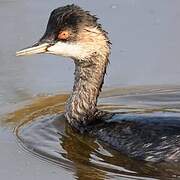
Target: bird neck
{"points": [[89, 74]]}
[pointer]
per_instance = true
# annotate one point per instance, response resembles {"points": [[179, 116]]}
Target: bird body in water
{"points": [[75, 33]]}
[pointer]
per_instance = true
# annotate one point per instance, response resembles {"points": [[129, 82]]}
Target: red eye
{"points": [[63, 35]]}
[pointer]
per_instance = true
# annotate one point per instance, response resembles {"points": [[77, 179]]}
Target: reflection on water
{"points": [[41, 129]]}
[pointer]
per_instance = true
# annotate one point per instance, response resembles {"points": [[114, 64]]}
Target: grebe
{"points": [[75, 33]]}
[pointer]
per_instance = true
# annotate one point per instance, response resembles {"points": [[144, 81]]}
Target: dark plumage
{"points": [[152, 139], [70, 17], [87, 44]]}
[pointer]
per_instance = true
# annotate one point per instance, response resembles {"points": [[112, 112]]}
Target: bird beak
{"points": [[35, 49]]}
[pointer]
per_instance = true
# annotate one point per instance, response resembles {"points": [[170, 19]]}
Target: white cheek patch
{"points": [[73, 50]]}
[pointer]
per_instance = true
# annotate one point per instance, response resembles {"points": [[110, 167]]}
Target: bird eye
{"points": [[63, 35]]}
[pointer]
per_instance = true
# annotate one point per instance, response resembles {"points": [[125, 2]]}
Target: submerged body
{"points": [[154, 139], [73, 32]]}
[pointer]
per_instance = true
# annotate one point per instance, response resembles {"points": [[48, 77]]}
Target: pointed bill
{"points": [[35, 49]]}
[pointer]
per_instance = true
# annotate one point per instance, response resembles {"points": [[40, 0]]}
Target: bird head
{"points": [[71, 32]]}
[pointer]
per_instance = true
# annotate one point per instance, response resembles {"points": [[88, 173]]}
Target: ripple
{"points": [[43, 131]]}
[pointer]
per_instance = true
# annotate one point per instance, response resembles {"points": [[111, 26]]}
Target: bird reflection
{"points": [[79, 152]]}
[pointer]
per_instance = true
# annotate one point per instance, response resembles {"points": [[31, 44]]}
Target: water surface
{"points": [[42, 130]]}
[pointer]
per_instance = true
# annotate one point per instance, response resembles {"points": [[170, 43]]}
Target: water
{"points": [[42, 130], [143, 77]]}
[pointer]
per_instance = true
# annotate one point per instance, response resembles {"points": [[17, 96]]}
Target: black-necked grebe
{"points": [[75, 33]]}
